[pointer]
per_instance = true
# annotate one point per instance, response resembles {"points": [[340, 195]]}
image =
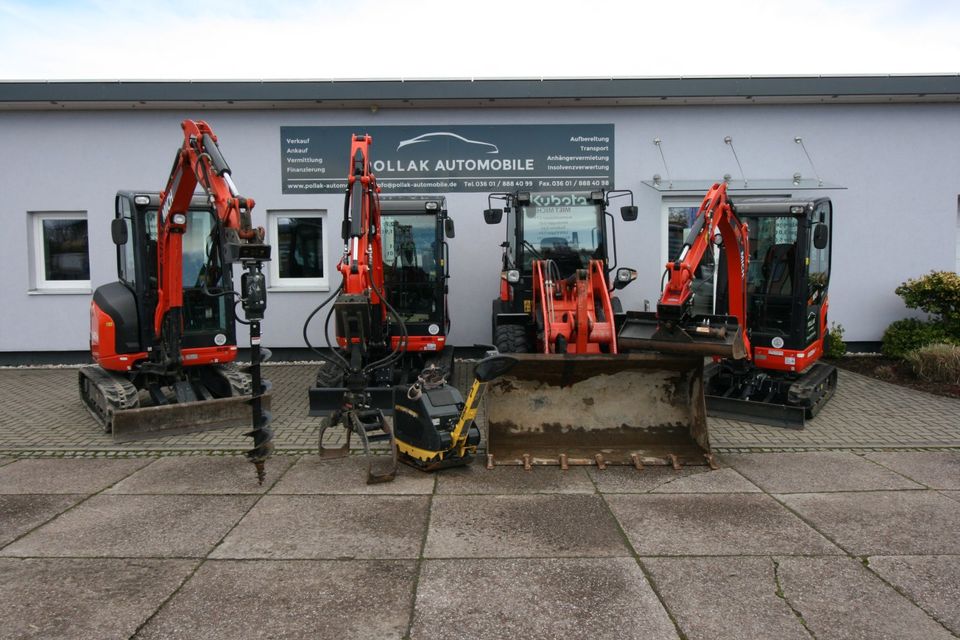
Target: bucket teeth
{"points": [[601, 463]]}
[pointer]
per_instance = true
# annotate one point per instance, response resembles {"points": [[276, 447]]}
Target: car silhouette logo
{"points": [[428, 137]]}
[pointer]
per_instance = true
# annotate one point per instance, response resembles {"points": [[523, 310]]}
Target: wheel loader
{"points": [[574, 397]]}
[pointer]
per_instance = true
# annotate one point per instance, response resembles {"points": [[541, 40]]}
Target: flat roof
{"points": [[466, 92]]}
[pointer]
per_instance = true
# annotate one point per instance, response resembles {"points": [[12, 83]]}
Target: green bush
{"points": [[937, 293], [910, 334], [835, 346], [936, 363]]}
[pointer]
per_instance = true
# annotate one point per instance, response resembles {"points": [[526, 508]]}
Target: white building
{"points": [[890, 142]]}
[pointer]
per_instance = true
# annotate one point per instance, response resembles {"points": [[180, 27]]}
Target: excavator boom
{"points": [[675, 328]]}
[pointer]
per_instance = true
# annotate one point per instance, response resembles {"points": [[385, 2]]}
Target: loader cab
{"points": [[789, 271], [208, 321], [568, 228], [416, 261]]}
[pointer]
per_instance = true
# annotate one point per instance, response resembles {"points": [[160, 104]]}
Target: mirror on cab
{"points": [[821, 235], [628, 213], [624, 277], [492, 216], [448, 228], [118, 229]]}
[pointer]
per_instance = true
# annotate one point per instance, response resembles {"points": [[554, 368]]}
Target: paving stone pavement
{"points": [[42, 415], [194, 548]]}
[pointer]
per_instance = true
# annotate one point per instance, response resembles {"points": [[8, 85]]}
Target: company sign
{"points": [[452, 158]]}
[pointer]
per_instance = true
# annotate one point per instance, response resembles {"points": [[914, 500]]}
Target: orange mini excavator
{"points": [[772, 278], [163, 336]]}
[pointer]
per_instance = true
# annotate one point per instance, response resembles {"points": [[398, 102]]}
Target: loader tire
{"points": [[511, 338]]}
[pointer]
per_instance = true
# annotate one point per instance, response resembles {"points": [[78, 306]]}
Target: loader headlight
{"points": [[179, 218], [513, 276], [141, 200], [624, 277]]}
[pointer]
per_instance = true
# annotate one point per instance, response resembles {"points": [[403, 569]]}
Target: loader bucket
{"points": [[701, 335], [188, 417], [630, 409]]}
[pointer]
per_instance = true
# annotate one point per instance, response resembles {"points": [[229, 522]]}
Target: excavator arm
{"points": [[674, 327], [200, 163]]}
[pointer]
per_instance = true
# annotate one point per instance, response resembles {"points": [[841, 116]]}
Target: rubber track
{"points": [[241, 384], [113, 394]]}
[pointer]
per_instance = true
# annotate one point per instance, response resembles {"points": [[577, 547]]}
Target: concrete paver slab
{"points": [[933, 582], [201, 475], [311, 475], [557, 526], [883, 522], [4, 461], [333, 527], [840, 598], [953, 495], [814, 472], [476, 478], [53, 475], [84, 598], [530, 598], [291, 599], [715, 524], [666, 480], [23, 512], [136, 526], [936, 469], [725, 597]]}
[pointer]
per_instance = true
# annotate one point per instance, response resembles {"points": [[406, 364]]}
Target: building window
{"points": [[299, 256], [61, 256], [680, 215]]}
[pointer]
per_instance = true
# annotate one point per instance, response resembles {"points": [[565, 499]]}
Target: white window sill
{"points": [[59, 292], [295, 289]]}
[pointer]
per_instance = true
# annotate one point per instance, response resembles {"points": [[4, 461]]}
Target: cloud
{"points": [[96, 39]]}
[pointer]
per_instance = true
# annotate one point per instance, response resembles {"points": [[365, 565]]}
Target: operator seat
{"points": [[558, 250], [778, 269]]}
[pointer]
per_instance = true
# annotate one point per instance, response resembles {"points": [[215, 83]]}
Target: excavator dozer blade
{"points": [[702, 335], [630, 409], [188, 417]]}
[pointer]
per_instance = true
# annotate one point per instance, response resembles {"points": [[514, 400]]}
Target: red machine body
{"points": [[198, 159], [577, 312]]}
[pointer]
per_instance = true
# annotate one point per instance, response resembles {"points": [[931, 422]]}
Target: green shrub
{"points": [[910, 334], [937, 293], [936, 363], [835, 346]]}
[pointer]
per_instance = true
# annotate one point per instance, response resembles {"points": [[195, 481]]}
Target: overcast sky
{"points": [[320, 39]]}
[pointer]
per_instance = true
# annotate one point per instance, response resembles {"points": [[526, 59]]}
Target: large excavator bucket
{"points": [[700, 335], [630, 409]]}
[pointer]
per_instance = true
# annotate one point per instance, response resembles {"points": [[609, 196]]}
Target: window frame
{"points": [[40, 283], [279, 283]]}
